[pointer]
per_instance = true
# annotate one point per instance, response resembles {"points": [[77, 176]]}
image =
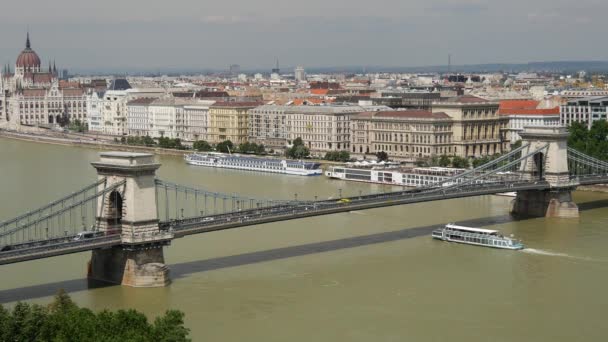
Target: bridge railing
{"points": [[60, 219], [582, 165], [175, 201]]}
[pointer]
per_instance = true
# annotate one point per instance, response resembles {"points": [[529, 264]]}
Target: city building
{"points": [[139, 122], [300, 74], [525, 113], [229, 121], [584, 110], [234, 69], [322, 128], [94, 103], [196, 117], [267, 126], [33, 95], [403, 135], [110, 108], [477, 126]]}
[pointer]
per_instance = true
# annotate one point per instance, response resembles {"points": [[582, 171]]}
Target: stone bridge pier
{"points": [[550, 166], [130, 210]]}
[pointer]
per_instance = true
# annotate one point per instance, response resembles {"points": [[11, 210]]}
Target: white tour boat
{"points": [[231, 161], [475, 236]]}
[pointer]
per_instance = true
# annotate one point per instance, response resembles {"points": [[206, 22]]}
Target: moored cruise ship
{"points": [[475, 236], [231, 161], [413, 177]]}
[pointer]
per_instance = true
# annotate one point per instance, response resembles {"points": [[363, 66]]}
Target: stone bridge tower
{"points": [[550, 165], [130, 210]]}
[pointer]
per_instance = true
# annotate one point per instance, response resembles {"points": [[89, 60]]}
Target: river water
{"points": [[374, 275]]}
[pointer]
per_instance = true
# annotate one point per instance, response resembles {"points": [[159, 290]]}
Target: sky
{"points": [[203, 34]]}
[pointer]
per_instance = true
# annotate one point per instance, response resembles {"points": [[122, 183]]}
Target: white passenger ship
{"points": [[475, 236], [290, 167], [413, 177]]}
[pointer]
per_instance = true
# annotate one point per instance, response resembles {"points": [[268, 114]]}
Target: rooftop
{"points": [[403, 114]]}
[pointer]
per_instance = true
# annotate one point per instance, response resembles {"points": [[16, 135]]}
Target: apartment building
{"points": [[526, 113], [229, 121], [403, 135], [584, 110], [267, 125], [322, 128], [477, 126]]}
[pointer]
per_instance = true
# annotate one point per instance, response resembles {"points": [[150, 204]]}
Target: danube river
{"points": [[374, 275]]}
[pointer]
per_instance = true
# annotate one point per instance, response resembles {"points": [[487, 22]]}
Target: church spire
{"points": [[54, 68], [50, 70], [27, 41]]}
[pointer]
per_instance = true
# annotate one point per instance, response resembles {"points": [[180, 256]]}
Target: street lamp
{"points": [[340, 192]]}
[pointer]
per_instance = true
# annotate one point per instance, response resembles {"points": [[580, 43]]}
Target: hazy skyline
{"points": [[192, 34]]}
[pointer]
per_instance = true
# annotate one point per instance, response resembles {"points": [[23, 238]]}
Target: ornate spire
{"points": [[27, 41], [54, 68], [50, 70]]}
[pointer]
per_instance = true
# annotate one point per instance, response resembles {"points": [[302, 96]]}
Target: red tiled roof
{"points": [[319, 91], [405, 114], [518, 104], [73, 92], [34, 92], [546, 111]]}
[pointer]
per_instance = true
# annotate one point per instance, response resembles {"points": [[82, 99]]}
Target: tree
{"points": [[62, 320], [459, 162], [481, 160], [297, 150], [225, 146], [516, 145], [382, 156], [170, 327], [201, 145], [444, 161], [148, 141], [341, 156]]}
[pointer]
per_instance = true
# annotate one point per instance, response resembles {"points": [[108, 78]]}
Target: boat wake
{"points": [[556, 254]]}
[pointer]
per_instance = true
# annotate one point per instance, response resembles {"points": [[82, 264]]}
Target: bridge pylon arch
{"points": [[550, 166], [131, 211]]}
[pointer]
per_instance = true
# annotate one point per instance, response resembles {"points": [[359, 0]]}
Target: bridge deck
{"points": [[197, 225]]}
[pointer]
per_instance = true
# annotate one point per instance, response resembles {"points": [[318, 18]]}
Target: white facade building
{"points": [[94, 103], [585, 110], [322, 128], [196, 117], [300, 74]]}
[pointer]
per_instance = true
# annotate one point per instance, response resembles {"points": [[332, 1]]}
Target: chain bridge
{"points": [[128, 215]]}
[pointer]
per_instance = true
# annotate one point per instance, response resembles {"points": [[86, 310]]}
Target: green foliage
{"points": [[171, 143], [202, 145], [63, 320], [444, 161], [298, 150], [141, 141], [460, 163], [593, 142], [340, 156], [382, 156], [516, 145], [225, 146], [77, 126], [252, 148]]}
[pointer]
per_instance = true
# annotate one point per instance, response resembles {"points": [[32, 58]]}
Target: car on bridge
{"points": [[344, 201], [87, 235]]}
